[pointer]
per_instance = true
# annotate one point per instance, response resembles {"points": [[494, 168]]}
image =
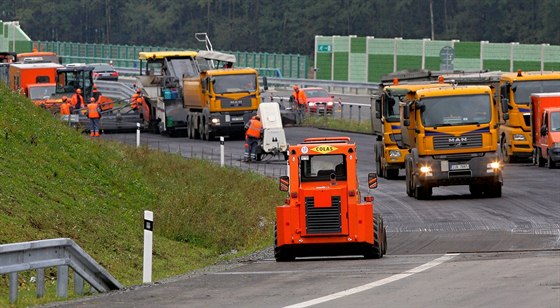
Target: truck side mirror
{"points": [[284, 183], [378, 108], [406, 112], [544, 130], [372, 180]]}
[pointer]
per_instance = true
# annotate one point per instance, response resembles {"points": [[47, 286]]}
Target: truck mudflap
{"points": [[445, 170]]}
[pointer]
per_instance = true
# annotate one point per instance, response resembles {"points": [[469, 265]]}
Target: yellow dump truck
{"points": [[452, 134], [514, 100]]}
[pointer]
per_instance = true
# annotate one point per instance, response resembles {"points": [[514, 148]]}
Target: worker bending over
{"points": [[253, 135]]}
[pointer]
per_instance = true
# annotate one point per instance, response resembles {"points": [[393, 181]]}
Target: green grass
{"points": [[333, 122], [55, 182]]}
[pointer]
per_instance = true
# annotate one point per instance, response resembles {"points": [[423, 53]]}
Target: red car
{"points": [[102, 71], [318, 100]]}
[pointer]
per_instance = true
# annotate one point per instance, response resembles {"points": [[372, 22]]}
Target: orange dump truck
{"points": [[324, 213], [34, 80], [545, 128]]}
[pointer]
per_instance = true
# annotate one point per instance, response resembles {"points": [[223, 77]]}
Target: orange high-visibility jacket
{"points": [[300, 97], [77, 101], [93, 111], [65, 108], [254, 129]]}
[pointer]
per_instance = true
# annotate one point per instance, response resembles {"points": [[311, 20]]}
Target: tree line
{"points": [[286, 26]]}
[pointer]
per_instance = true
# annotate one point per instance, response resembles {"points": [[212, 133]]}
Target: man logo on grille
{"points": [[457, 141]]}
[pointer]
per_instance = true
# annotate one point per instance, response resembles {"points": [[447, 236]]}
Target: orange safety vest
{"points": [[77, 101], [65, 108], [254, 129], [93, 112], [301, 98], [134, 101]]}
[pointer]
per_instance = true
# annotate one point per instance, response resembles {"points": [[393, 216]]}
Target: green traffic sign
{"points": [[323, 48]]}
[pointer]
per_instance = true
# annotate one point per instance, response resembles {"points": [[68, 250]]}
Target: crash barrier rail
{"points": [[60, 253], [342, 110], [115, 90]]}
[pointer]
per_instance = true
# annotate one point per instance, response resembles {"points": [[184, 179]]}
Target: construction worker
{"points": [[95, 93], [136, 100], [65, 107], [77, 101], [94, 114], [254, 129], [299, 99]]}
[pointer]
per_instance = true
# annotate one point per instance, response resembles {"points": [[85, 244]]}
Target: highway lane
{"points": [[508, 247]]}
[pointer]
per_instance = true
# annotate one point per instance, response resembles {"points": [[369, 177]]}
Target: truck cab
{"points": [[452, 135], [545, 120], [514, 100], [323, 213]]}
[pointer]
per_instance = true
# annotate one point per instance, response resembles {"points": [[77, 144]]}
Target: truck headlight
{"points": [[519, 137], [215, 121], [425, 169], [311, 104], [493, 165], [394, 153]]}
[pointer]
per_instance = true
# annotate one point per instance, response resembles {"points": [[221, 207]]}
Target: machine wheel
{"points": [[160, 129], [505, 156], [201, 130], [207, 134], [378, 168], [376, 250], [540, 160], [392, 173], [551, 164], [280, 254], [189, 128], [495, 190], [285, 155]]}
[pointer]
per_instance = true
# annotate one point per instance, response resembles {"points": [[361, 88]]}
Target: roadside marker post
{"points": [[137, 135], [148, 241], [222, 159]]}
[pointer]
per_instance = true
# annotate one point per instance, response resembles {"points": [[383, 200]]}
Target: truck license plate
{"points": [[237, 118], [459, 167]]}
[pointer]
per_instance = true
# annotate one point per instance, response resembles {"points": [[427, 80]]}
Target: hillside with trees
{"points": [[286, 26]]}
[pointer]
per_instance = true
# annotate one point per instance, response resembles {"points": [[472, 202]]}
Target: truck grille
{"points": [[231, 103], [460, 142], [322, 219]]}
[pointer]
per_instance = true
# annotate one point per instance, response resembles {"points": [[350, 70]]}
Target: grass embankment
{"points": [[55, 182], [332, 122]]}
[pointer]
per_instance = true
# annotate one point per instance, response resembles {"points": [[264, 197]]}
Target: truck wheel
{"points": [[551, 164], [207, 134], [422, 192], [392, 173], [409, 190], [280, 254], [201, 130], [494, 190], [476, 190], [505, 156], [540, 160], [376, 250], [189, 127]]}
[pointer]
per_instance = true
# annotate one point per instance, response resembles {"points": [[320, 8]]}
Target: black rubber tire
{"points": [[285, 155], [409, 190], [189, 127], [540, 159], [201, 130], [476, 190], [505, 157], [422, 192], [375, 251], [392, 173], [493, 190], [551, 164], [280, 254], [378, 162]]}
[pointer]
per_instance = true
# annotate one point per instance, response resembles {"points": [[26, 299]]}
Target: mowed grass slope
{"points": [[55, 182]]}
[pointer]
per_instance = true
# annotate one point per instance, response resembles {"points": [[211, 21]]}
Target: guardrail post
{"points": [[78, 284], [359, 113], [13, 287], [341, 111], [350, 112], [148, 238], [62, 281], [40, 282], [222, 158]]}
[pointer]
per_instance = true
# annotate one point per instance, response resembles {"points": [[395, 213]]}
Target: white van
{"points": [[274, 139]]}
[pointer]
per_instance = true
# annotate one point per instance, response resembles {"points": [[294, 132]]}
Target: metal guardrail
{"points": [[115, 90], [61, 253]]}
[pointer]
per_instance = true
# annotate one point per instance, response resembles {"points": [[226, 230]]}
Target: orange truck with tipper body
{"points": [[323, 213], [34, 80], [545, 128]]}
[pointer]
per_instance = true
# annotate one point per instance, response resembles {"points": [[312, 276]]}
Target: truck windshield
{"points": [[320, 167], [235, 83], [456, 110], [555, 121], [42, 92], [524, 89]]}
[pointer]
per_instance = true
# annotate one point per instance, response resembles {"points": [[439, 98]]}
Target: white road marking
{"points": [[377, 283]]}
